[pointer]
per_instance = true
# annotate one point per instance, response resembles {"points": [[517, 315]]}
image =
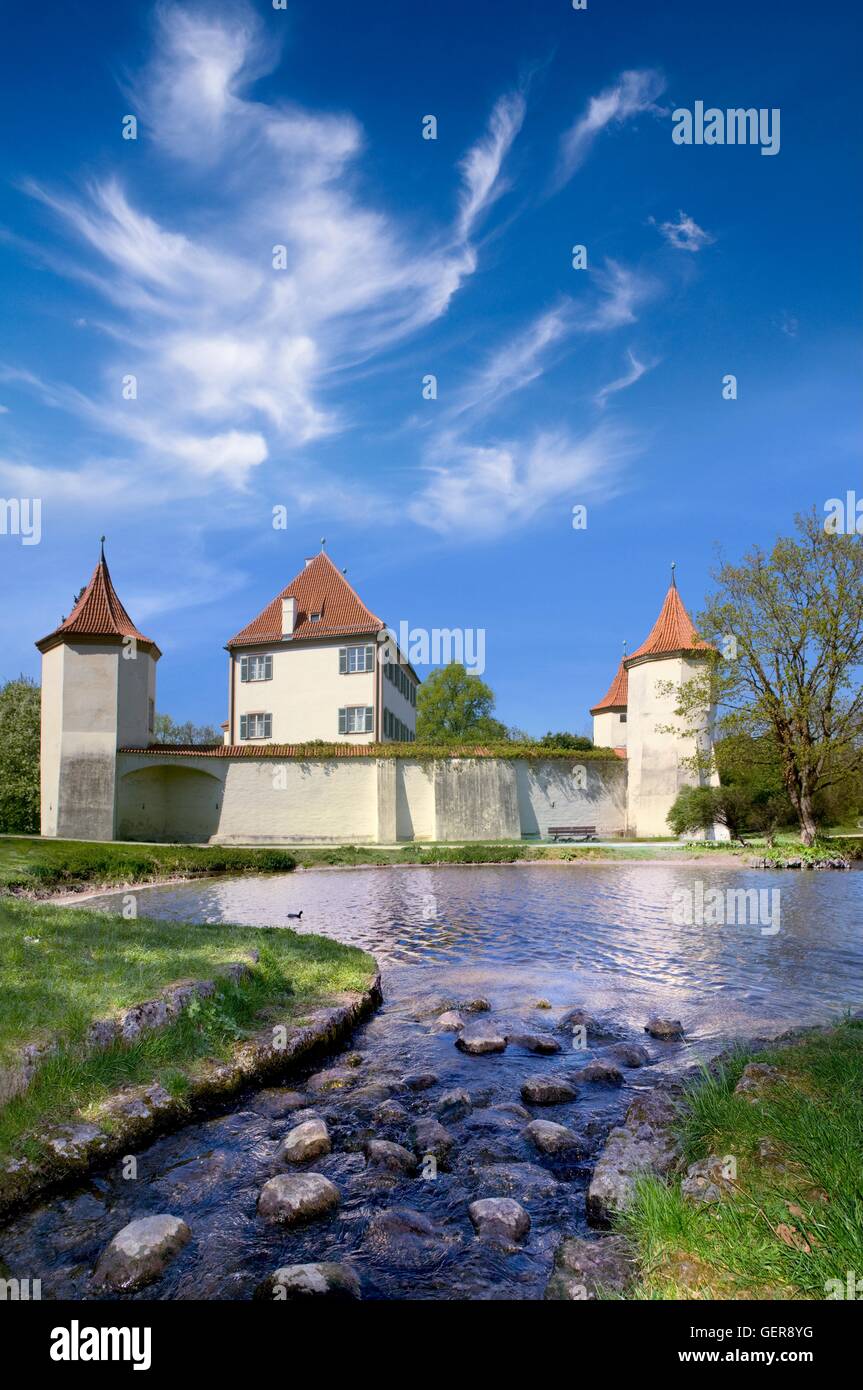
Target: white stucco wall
{"points": [[655, 756], [305, 694], [566, 792], [609, 729], [246, 800]]}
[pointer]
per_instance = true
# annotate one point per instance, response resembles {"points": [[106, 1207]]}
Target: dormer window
{"points": [[314, 617]]}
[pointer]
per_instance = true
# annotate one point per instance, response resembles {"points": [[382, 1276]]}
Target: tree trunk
{"points": [[808, 828]]}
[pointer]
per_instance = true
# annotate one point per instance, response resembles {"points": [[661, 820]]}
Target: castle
{"points": [[317, 665]]}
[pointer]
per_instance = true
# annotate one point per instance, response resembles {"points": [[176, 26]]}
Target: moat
{"points": [[597, 936]]}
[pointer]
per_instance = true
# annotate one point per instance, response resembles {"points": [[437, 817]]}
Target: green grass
{"points": [[787, 846], [80, 965], [37, 865], [794, 1220]]}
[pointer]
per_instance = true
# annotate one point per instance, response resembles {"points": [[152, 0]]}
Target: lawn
{"points": [[793, 1221], [39, 865], [43, 866], [60, 968]]}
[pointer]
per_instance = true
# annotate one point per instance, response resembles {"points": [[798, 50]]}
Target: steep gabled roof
{"points": [[318, 588], [98, 613], [671, 633], [616, 696]]}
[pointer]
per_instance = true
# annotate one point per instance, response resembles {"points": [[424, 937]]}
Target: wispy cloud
{"points": [[482, 491], [481, 166], [274, 279], [684, 234], [635, 373], [634, 93], [613, 295]]}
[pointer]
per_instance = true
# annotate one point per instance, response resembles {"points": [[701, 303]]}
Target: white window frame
{"points": [[246, 676], [266, 723], [359, 652], [349, 716]]}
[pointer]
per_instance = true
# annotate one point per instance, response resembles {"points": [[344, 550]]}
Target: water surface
{"points": [[598, 935]]}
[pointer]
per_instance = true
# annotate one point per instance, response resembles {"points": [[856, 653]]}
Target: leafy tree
{"points": [[453, 707], [166, 731], [788, 628], [20, 704], [564, 740], [700, 808]]}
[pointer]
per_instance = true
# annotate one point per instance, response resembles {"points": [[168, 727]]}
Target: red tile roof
{"points": [[672, 632], [318, 588], [98, 613], [617, 693], [312, 751]]}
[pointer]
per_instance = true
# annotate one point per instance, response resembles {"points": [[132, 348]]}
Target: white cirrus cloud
{"points": [[634, 373], [273, 278], [483, 491], [684, 234], [632, 94]]}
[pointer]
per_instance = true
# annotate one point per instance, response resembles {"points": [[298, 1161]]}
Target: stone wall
{"points": [[358, 800]]}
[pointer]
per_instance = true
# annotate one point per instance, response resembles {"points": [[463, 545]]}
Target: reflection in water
{"points": [[597, 935]]}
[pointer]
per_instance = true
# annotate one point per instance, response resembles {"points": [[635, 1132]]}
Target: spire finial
{"points": [[624, 648], [102, 547], [323, 542], [673, 568]]}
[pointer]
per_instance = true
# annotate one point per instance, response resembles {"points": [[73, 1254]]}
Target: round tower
{"points": [[610, 715], [98, 694], [659, 750]]}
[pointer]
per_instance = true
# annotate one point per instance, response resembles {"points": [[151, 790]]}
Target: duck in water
{"points": [[295, 916]]}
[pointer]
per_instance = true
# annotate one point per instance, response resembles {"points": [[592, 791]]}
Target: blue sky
{"points": [[302, 386]]}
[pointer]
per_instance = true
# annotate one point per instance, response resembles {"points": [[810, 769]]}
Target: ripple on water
{"points": [[600, 936]]}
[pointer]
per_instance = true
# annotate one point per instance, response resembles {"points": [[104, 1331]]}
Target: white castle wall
{"points": [[657, 749], [361, 800], [610, 729], [572, 793]]}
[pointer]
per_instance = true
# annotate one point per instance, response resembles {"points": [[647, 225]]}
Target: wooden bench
{"points": [[572, 832]]}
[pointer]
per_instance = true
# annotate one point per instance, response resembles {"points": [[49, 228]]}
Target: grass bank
{"points": [[793, 1219], [40, 867], [61, 968]]}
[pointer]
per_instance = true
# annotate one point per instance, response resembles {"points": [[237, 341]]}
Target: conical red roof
{"points": [[672, 632], [319, 588], [98, 613], [616, 696]]}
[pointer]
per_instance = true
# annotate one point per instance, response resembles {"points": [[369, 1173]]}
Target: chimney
{"points": [[289, 616]]}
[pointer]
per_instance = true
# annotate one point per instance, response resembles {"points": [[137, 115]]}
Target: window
{"points": [[151, 715], [356, 719], [314, 617], [402, 681], [623, 719], [352, 659], [256, 726], [256, 668], [396, 730]]}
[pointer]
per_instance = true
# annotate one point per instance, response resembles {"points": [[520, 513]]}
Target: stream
{"points": [[601, 936]]}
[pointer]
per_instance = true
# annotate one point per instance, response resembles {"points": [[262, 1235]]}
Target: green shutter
{"points": [[244, 726], [343, 721], [343, 667]]}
